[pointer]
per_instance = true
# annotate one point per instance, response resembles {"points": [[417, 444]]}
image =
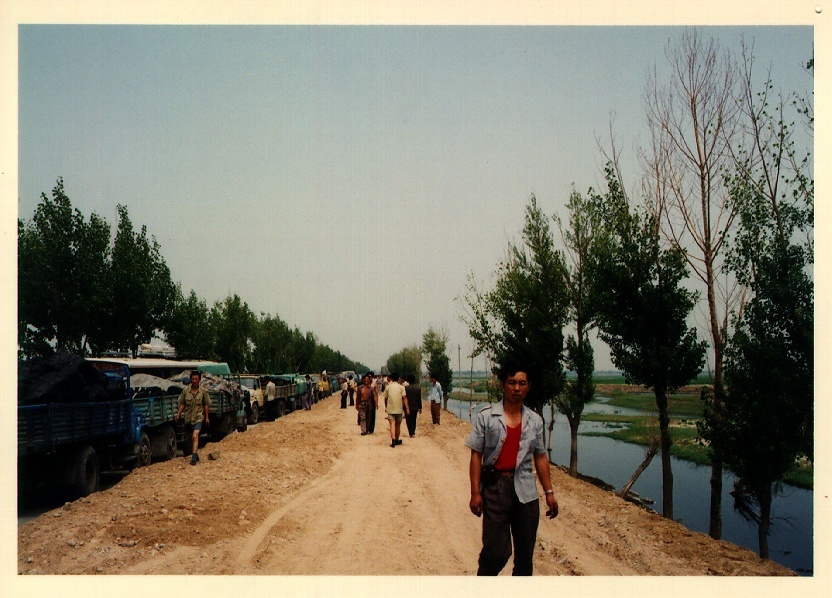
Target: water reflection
{"points": [[791, 538]]}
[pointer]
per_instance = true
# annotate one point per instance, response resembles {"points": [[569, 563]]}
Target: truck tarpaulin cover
{"points": [[64, 378]]}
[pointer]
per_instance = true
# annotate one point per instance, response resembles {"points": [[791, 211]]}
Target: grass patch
{"points": [[638, 429], [680, 405], [701, 380]]}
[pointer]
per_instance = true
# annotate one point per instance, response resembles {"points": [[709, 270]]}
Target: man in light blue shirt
{"points": [[505, 440], [435, 398]]}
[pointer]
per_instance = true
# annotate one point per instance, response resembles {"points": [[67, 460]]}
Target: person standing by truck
{"points": [[270, 394], [195, 403], [307, 395]]}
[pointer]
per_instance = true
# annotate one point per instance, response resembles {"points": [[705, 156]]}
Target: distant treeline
{"points": [[84, 291]]}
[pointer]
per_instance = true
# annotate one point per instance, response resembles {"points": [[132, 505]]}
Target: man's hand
{"points": [[475, 504], [207, 421], [552, 503]]}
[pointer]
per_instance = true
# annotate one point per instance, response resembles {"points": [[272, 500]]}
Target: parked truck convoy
{"points": [[67, 444]]}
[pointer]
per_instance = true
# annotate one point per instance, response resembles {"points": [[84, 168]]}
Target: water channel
{"points": [[791, 537]]}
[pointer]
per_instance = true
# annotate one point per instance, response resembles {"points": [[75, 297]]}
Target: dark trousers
{"points": [[343, 399], [506, 519], [435, 411], [410, 418], [363, 408], [371, 417], [352, 396]]}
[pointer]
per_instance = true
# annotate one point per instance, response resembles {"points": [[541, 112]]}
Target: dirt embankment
{"points": [[307, 495]]}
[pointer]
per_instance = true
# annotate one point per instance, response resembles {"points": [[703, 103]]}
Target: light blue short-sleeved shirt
{"points": [[489, 434]]}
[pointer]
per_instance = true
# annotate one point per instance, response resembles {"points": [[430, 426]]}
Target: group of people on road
{"points": [[402, 402], [505, 441]]}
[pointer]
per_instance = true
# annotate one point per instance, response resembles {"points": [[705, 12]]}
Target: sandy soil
{"points": [[307, 495]]}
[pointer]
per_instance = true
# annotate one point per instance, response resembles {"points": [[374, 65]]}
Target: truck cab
{"points": [[251, 382]]}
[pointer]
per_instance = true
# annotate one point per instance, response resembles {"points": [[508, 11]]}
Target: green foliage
{"points": [[767, 418], [406, 362], [61, 261], [523, 316], [233, 323], [188, 328], [642, 308], [141, 291], [434, 349], [76, 293]]}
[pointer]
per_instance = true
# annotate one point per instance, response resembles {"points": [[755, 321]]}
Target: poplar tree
{"points": [[642, 309]]}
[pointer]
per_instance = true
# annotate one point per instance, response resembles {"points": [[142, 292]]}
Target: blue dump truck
{"points": [[155, 407], [66, 444], [73, 426]]}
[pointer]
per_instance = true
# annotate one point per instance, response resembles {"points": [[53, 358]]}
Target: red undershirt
{"points": [[508, 456]]}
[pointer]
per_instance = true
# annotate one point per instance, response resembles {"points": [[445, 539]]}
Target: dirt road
{"points": [[307, 495]]}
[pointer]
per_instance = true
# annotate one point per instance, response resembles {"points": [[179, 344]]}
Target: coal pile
{"points": [[64, 378]]}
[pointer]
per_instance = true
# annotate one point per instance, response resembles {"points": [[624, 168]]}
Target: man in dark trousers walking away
{"points": [[414, 403], [506, 438]]}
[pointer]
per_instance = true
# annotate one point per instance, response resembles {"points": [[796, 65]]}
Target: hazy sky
{"points": [[345, 178]]}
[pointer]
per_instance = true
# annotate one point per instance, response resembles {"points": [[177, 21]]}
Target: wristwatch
{"points": [[549, 491]]}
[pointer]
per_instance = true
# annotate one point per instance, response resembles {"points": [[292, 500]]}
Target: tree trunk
{"points": [[667, 473], [553, 414], [715, 524], [573, 446], [764, 498], [648, 457]]}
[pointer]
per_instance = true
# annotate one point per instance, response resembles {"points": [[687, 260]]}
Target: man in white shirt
{"points": [[395, 401], [435, 398]]}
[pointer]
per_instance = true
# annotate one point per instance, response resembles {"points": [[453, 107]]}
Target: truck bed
{"points": [[43, 428]]}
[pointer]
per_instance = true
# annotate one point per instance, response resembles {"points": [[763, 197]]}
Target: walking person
{"points": [[307, 396], [506, 439], [195, 403], [435, 398], [395, 403], [365, 396], [373, 405], [344, 393], [352, 388], [414, 403]]}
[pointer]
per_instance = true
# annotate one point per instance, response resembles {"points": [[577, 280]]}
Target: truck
{"points": [[160, 435], [66, 445], [257, 402]]}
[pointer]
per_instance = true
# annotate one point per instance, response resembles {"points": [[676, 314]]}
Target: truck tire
{"points": [[280, 408], [169, 447], [242, 425], [84, 472], [255, 413], [145, 452]]}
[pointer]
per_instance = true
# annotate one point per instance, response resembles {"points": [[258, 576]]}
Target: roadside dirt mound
{"points": [[307, 495]]}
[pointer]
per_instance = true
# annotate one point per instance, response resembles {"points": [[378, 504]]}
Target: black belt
{"points": [[490, 475]]}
